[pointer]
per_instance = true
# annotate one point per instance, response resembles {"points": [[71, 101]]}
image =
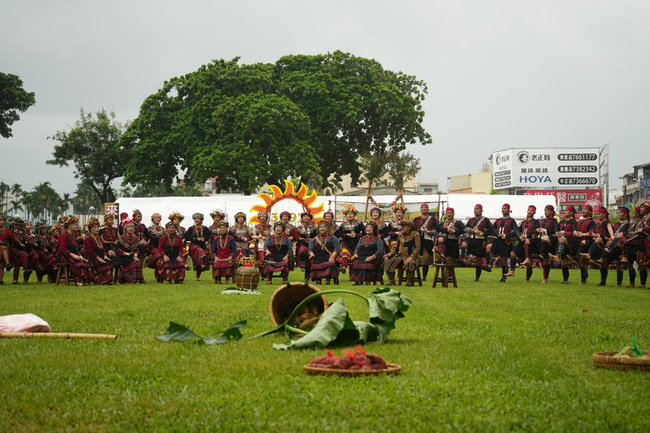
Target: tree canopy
{"points": [[93, 146], [247, 125], [13, 99]]}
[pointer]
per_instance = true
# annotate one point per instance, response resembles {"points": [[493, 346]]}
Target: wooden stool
{"points": [[62, 266], [417, 276], [447, 274]]}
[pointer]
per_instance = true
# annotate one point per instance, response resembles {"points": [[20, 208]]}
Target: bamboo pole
{"points": [[56, 335]]}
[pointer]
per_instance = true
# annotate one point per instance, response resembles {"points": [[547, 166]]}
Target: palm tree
{"points": [[15, 206], [4, 189]]}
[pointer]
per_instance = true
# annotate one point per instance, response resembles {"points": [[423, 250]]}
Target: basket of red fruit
{"points": [[352, 363]]}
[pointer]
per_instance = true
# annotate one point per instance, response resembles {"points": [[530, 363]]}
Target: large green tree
{"points": [[93, 147], [13, 99], [248, 125]]}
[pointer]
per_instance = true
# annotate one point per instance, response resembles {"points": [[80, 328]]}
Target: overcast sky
{"points": [[500, 74]]}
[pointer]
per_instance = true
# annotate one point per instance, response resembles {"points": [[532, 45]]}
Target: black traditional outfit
{"points": [[408, 246], [323, 247], [277, 248], [363, 270], [128, 247]]}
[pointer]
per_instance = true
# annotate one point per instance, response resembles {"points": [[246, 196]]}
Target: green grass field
{"points": [[484, 356]]}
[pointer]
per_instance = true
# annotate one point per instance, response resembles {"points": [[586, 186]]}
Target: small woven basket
{"points": [[607, 360], [391, 369], [288, 296]]}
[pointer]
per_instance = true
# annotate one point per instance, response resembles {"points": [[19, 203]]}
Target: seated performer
{"points": [[156, 232], [307, 230], [224, 252], [5, 234], [323, 252], [128, 248], [47, 261], [279, 249], [171, 267], [69, 251], [96, 254], [198, 237], [406, 254], [242, 233], [367, 258]]}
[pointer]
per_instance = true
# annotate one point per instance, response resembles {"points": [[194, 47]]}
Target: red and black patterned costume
{"points": [[68, 247], [363, 270], [102, 272], [224, 251], [127, 250], [174, 248]]}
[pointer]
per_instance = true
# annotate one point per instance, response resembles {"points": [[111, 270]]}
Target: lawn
{"points": [[484, 356]]}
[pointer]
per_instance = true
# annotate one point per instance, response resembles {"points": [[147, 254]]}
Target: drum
{"points": [[247, 277]]}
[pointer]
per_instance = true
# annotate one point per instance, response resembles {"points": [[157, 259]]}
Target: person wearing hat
{"points": [[279, 249], [170, 267], [176, 217], [506, 233], [613, 251], [603, 233], [406, 255], [328, 216], [450, 231], [198, 236], [70, 252], [635, 247], [109, 234], [290, 229], [142, 233], [217, 216], [128, 251], [383, 227], [33, 258], [307, 231], [349, 233], [324, 250], [585, 234], [242, 233], [261, 232], [547, 228], [426, 224], [367, 259], [399, 210], [100, 264], [224, 253], [478, 229], [529, 241], [5, 235], [47, 261], [18, 257], [567, 245]]}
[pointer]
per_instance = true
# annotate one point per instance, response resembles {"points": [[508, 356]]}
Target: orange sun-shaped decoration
{"points": [[289, 193]]}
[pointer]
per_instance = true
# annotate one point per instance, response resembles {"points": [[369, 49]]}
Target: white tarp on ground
{"points": [[463, 205]]}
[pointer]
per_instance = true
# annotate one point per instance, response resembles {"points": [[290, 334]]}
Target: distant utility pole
{"points": [[604, 172]]}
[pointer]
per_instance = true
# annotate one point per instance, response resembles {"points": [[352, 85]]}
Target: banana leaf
{"points": [[177, 332]]}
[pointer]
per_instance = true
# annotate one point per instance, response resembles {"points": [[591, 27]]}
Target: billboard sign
{"points": [[574, 197], [560, 167]]}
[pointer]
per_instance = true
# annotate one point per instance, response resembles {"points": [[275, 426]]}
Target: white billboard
{"points": [[559, 167]]}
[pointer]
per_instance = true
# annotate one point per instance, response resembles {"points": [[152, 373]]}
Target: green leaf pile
{"points": [[336, 328], [177, 332]]}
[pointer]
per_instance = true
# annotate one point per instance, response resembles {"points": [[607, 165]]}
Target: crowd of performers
{"points": [[110, 253]]}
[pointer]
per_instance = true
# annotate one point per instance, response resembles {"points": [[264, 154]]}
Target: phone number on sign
{"points": [[577, 181]]}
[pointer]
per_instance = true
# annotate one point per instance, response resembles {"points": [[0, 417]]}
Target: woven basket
{"points": [[288, 296], [606, 360], [392, 369]]}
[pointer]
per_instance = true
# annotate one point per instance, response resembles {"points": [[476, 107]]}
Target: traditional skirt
{"points": [[222, 269], [18, 257], [325, 269], [501, 247], [302, 253], [131, 273], [279, 266], [102, 272], [200, 257], [361, 270], [46, 260], [79, 269], [476, 247], [172, 270]]}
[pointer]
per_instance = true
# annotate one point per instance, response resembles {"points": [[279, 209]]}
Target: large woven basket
{"points": [[606, 360], [289, 295]]}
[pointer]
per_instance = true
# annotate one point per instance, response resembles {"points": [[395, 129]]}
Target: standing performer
{"points": [[478, 228], [449, 237], [329, 217], [289, 229], [170, 267], [393, 234], [217, 216], [307, 231], [261, 231], [426, 225], [279, 249], [323, 251], [406, 254], [349, 233], [506, 234], [69, 251], [242, 233], [96, 254], [198, 237], [603, 233], [547, 229], [367, 258], [224, 252], [635, 246], [567, 244], [128, 247], [176, 217], [155, 233], [584, 234], [528, 240], [109, 234]]}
